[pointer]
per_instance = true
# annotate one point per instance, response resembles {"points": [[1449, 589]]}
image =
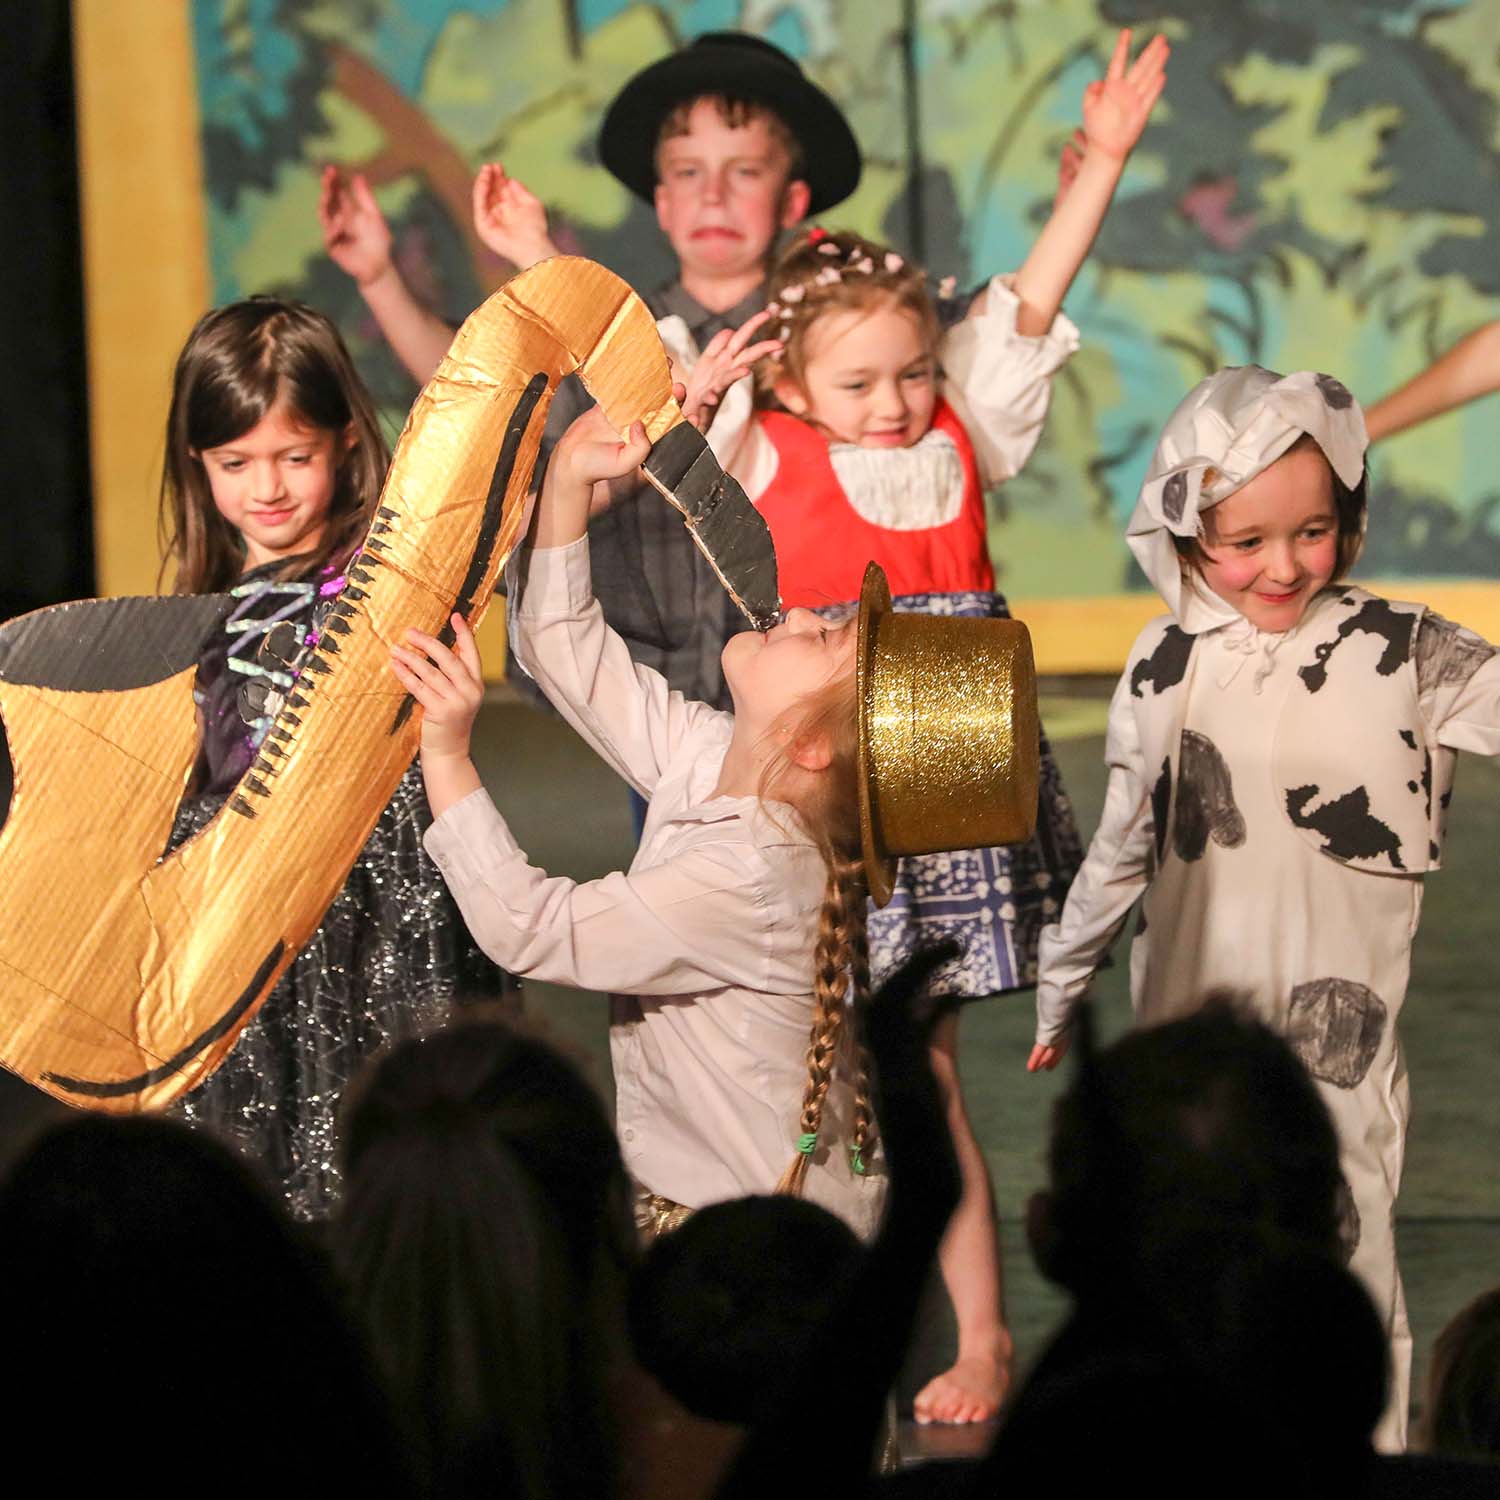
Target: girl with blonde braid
{"points": [[732, 944], [878, 434]]}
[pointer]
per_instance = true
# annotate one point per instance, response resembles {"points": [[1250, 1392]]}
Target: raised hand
{"points": [[449, 684], [726, 358], [591, 450], [510, 219], [1117, 106], [355, 233]]}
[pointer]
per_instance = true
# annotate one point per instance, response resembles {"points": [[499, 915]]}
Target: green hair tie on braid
{"points": [[808, 1143], [856, 1161]]}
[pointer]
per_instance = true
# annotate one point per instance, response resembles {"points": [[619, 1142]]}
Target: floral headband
{"points": [[839, 265]]}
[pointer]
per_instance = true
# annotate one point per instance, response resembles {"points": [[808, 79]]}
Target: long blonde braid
{"points": [[841, 934], [862, 1137], [841, 962]]}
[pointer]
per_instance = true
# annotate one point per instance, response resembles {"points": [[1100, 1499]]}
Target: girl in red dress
{"points": [[877, 435]]}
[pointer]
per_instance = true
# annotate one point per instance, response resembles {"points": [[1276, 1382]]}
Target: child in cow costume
{"points": [[1281, 751]]}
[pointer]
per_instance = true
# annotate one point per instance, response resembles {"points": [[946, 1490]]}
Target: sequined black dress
{"points": [[392, 954]]}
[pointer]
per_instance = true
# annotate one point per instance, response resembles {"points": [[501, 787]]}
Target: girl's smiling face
{"points": [[1273, 544], [869, 378], [274, 484]]}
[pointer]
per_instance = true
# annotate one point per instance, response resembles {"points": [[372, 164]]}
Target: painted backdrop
{"points": [[1317, 189]]}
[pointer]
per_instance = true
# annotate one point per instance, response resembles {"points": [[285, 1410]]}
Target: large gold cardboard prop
{"points": [[124, 976]]}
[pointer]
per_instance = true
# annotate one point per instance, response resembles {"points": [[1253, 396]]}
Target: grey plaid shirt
{"points": [[654, 586]]}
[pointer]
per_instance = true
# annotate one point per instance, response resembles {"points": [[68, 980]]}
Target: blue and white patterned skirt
{"points": [[992, 902]]}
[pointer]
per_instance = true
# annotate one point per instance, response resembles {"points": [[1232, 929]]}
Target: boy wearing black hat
{"points": [[731, 144]]}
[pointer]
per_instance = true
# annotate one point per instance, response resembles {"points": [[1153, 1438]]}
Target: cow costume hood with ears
{"points": [[1235, 423]]}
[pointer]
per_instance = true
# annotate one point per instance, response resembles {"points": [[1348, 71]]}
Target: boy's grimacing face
{"points": [[722, 194]]}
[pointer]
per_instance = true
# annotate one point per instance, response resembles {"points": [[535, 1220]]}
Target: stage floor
{"points": [[570, 814]]}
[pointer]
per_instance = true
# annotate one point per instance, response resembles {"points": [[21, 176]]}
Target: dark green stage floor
{"points": [[570, 814]]}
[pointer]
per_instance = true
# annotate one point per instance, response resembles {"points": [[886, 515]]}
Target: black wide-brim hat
{"points": [[737, 66]]}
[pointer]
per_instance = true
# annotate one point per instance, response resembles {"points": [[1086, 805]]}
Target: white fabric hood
{"points": [[1236, 423]]}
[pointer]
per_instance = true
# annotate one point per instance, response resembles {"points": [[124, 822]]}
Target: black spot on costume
{"points": [[1335, 393], [1335, 1027], [1349, 1222], [1166, 666], [1374, 617], [1205, 800], [1174, 497], [1161, 801], [1348, 829]]}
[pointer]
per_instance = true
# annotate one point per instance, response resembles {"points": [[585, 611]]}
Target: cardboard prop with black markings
{"points": [[125, 977]]}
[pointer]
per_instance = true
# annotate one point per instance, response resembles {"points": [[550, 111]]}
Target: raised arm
{"points": [[692, 924], [1115, 111], [358, 241], [999, 380], [1471, 368], [510, 219], [625, 712]]}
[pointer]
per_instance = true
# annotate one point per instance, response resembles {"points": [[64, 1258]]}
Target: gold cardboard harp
{"points": [[125, 977]]}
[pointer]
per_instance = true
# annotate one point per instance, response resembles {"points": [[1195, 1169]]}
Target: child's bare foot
{"points": [[970, 1392]]}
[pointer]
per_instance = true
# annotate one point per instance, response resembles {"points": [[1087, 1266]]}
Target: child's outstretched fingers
{"points": [[509, 218], [727, 357], [1116, 107], [355, 233]]}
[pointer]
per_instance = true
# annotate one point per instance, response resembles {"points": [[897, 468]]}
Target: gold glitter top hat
{"points": [[949, 738]]}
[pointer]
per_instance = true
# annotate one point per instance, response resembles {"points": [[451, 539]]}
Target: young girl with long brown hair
{"points": [[273, 467]]}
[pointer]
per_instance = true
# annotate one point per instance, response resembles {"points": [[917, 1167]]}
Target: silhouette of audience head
{"points": [[1194, 1213], [722, 1307], [484, 1237], [1199, 1124], [161, 1309], [1463, 1390]]}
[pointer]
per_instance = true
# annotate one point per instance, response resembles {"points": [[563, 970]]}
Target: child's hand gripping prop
{"points": [[125, 977]]}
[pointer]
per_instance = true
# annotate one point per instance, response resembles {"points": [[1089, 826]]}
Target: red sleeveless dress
{"points": [[823, 543]]}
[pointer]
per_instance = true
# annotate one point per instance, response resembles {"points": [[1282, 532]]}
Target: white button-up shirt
{"points": [[706, 941]]}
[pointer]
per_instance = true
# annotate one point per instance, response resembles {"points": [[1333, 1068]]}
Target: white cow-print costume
{"points": [[1274, 801]]}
